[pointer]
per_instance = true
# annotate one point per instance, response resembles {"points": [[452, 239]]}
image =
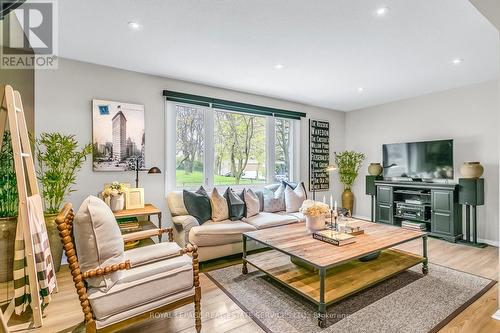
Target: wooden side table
{"points": [[148, 211]]}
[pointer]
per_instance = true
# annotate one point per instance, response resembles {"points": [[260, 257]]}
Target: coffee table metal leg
{"points": [[322, 305], [244, 269], [425, 266]]}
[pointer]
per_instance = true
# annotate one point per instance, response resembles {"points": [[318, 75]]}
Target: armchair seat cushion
{"points": [[149, 254], [143, 285], [219, 233], [265, 220]]}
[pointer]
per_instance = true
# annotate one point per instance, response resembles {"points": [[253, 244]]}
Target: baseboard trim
{"points": [[496, 315], [480, 240]]}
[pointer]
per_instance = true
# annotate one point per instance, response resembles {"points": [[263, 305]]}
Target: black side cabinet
{"points": [[445, 219]]}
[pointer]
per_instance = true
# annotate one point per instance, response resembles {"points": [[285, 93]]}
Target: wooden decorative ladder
{"points": [[12, 112]]}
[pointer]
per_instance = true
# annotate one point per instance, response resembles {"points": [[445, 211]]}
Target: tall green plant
{"points": [[348, 163], [59, 160], [8, 183]]}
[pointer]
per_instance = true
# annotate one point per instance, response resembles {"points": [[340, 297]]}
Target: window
{"points": [[240, 149], [189, 146], [283, 152], [215, 147]]}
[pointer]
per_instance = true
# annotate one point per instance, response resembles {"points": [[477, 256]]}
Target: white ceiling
{"points": [[329, 48]]}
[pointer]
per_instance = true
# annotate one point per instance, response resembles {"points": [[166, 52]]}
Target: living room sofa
{"points": [[224, 238]]}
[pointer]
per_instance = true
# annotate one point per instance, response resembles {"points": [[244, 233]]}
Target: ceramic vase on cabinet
{"points": [[471, 170], [315, 223], [375, 169], [117, 202]]}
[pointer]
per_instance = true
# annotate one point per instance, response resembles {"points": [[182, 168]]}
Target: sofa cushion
{"points": [[265, 220], [175, 202], [218, 233], [220, 209], [235, 205], [300, 216], [294, 198], [274, 201], [98, 240], [198, 204], [143, 285], [252, 203]]}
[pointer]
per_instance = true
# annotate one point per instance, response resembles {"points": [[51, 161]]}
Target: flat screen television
{"points": [[428, 160]]}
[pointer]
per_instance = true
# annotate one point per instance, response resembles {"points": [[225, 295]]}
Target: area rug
{"points": [[409, 302]]}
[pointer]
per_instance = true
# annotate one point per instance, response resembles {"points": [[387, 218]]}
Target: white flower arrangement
{"points": [[314, 208], [114, 189]]}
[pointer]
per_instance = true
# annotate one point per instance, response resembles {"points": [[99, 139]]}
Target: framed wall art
{"points": [[118, 133]]}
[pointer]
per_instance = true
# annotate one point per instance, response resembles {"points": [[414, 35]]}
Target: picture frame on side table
{"points": [[134, 198]]}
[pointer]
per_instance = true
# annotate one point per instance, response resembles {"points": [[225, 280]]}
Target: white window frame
{"points": [[209, 153]]}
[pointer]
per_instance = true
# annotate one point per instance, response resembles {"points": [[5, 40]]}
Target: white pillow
{"points": [[220, 210], [252, 203], [98, 241], [294, 198], [274, 201]]}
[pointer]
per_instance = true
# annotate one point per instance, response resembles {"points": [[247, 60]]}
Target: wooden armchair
{"points": [[100, 322]]}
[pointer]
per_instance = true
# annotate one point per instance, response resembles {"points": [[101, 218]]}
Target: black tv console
{"points": [[435, 204]]}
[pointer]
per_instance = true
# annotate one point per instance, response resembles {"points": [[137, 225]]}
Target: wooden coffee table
{"points": [[334, 272]]}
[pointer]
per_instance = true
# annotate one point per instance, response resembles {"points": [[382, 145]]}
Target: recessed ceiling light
{"points": [[457, 61], [382, 11], [361, 89], [278, 66], [134, 25]]}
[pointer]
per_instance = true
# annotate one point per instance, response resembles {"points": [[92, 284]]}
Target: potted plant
{"points": [[348, 163], [59, 159], [315, 213], [113, 196], [8, 208]]}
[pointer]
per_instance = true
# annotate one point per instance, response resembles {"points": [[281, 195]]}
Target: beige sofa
{"points": [[219, 239]]}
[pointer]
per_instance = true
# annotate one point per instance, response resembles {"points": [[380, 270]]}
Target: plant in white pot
{"points": [[59, 159], [315, 213], [114, 196]]}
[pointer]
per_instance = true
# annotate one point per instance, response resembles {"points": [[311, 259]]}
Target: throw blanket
{"points": [[44, 267]]}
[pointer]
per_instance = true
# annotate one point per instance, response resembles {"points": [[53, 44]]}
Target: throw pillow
{"points": [[98, 241], [220, 211], [252, 203], [235, 205], [294, 198], [198, 204], [274, 201], [294, 186]]}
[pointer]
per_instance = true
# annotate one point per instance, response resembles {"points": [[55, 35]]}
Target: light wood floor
{"points": [[220, 314]]}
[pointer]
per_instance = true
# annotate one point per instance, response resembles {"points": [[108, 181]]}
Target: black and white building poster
{"points": [[319, 155]]}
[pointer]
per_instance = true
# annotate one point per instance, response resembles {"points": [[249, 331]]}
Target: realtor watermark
{"points": [[29, 34]]}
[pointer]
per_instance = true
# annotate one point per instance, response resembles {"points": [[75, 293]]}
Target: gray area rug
{"points": [[409, 302]]}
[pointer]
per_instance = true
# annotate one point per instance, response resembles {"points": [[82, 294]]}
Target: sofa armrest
{"points": [[182, 226]]}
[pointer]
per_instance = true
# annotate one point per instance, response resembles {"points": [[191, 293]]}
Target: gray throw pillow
{"points": [[235, 205], [198, 204]]}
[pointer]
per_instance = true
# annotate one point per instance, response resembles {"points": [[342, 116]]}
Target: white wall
{"points": [[63, 103], [469, 115]]}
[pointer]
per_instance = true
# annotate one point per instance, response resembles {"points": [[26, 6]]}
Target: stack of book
{"points": [[414, 225], [334, 237], [129, 224], [128, 227]]}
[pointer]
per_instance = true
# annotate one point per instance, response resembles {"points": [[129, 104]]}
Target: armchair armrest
{"points": [[182, 226], [106, 270]]}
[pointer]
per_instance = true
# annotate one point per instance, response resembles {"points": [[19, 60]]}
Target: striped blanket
{"points": [[44, 267]]}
